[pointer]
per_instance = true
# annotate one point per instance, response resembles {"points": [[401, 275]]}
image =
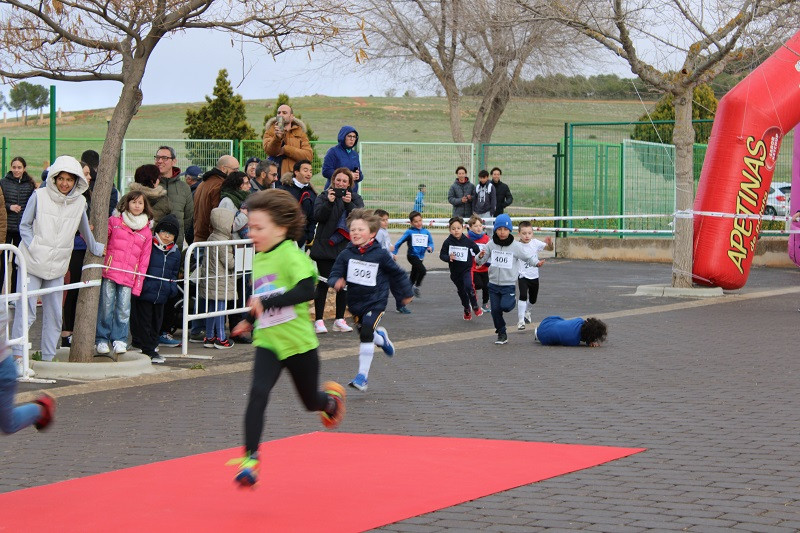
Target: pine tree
{"points": [[222, 117]]}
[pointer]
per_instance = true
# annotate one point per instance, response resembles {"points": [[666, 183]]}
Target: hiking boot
{"points": [[48, 404], [339, 396], [502, 338]]}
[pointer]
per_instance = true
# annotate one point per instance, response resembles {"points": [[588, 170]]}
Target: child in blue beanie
{"points": [[503, 252]]}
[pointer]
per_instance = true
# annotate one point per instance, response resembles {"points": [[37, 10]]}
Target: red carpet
{"points": [[316, 482]]}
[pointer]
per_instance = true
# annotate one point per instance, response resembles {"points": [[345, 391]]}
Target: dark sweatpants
{"points": [[146, 320], [465, 290], [418, 270], [303, 367]]}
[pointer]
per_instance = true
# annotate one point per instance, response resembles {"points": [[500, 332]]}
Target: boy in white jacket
{"points": [[505, 255]]}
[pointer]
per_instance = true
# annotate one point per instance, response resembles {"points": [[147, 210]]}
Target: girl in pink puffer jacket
{"points": [[127, 258]]}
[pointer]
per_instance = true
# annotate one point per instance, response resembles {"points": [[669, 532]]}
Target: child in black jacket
{"points": [[368, 271], [458, 251]]}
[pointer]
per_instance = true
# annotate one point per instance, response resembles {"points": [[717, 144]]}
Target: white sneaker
{"points": [[527, 317], [120, 347], [18, 364], [521, 325], [102, 348], [341, 325], [319, 327]]}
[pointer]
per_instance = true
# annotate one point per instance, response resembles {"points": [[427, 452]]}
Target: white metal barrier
{"points": [[199, 258]]}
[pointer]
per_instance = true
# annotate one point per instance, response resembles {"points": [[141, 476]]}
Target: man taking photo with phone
{"points": [[285, 140]]}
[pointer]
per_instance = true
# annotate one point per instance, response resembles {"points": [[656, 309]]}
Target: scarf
{"points": [[503, 242], [135, 222], [237, 196], [474, 236], [363, 249], [158, 243]]}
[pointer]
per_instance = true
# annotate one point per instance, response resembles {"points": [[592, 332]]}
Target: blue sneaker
{"points": [[403, 310], [247, 476], [359, 382], [388, 347], [168, 340]]}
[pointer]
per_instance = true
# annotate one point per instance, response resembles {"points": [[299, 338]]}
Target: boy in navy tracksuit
{"points": [[458, 251], [147, 309], [419, 242], [368, 271]]}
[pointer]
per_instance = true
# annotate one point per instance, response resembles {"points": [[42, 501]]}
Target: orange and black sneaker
{"points": [[48, 404], [337, 393]]}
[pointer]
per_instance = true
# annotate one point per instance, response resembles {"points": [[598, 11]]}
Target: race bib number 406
{"points": [[362, 272], [502, 259]]}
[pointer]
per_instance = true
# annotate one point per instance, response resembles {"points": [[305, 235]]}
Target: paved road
{"points": [[709, 387]]}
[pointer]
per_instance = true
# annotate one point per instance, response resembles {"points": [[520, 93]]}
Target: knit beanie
{"points": [[169, 224], [503, 221]]}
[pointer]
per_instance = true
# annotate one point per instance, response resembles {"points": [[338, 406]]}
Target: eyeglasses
{"points": [[232, 169], [163, 157]]}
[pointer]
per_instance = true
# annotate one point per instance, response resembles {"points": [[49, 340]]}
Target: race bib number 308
{"points": [[362, 272]]}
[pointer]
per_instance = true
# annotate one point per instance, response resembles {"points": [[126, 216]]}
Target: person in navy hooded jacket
{"points": [[368, 271], [344, 155]]}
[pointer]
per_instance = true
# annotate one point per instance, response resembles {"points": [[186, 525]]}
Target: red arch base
{"points": [[750, 123]]}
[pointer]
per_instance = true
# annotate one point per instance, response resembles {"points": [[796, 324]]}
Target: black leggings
{"points": [[480, 280], [71, 301], [303, 367], [528, 290], [418, 270], [324, 267]]}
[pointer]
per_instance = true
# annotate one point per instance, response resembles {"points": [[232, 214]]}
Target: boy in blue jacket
{"points": [[557, 331], [420, 241], [147, 309], [368, 272]]}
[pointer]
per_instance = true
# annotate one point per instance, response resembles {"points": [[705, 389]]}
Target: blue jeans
{"points": [[502, 298], [215, 325], [114, 313], [12, 419]]}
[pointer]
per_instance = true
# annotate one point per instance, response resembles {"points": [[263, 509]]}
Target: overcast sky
{"points": [[184, 68]]}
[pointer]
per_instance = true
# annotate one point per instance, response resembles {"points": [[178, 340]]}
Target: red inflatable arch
{"points": [[751, 120]]}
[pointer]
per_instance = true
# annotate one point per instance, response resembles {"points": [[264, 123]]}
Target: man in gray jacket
{"points": [[461, 194], [179, 193]]}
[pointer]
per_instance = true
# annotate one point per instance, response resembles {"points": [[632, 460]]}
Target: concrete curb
{"points": [[129, 364], [677, 292]]}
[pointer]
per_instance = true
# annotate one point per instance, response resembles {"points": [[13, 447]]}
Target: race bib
{"points": [[362, 272], [419, 239], [502, 259], [275, 315], [459, 253], [481, 245]]}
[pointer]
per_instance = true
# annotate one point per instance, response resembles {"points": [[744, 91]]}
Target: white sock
{"points": [[521, 306], [365, 353], [377, 339]]}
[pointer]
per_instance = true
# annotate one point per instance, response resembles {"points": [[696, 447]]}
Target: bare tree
{"points": [[675, 45], [460, 43], [91, 40]]}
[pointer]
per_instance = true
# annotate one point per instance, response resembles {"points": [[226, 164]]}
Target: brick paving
{"points": [[708, 387]]}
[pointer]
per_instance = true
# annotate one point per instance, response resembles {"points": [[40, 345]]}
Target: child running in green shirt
{"points": [[283, 283]]}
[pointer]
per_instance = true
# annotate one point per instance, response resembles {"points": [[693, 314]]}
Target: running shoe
{"points": [[223, 344], [340, 325], [388, 346], [417, 292], [359, 382], [208, 342], [467, 315], [168, 340], [403, 310], [478, 312], [247, 476], [319, 327], [527, 317], [502, 338], [120, 347], [335, 391], [48, 404], [521, 325], [102, 348]]}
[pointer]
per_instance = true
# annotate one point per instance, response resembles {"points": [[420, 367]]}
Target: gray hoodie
{"points": [[504, 255]]}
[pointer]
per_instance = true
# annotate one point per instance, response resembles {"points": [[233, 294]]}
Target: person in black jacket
{"points": [[17, 187], [147, 309], [300, 187], [368, 271], [503, 196], [458, 251], [331, 209]]}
